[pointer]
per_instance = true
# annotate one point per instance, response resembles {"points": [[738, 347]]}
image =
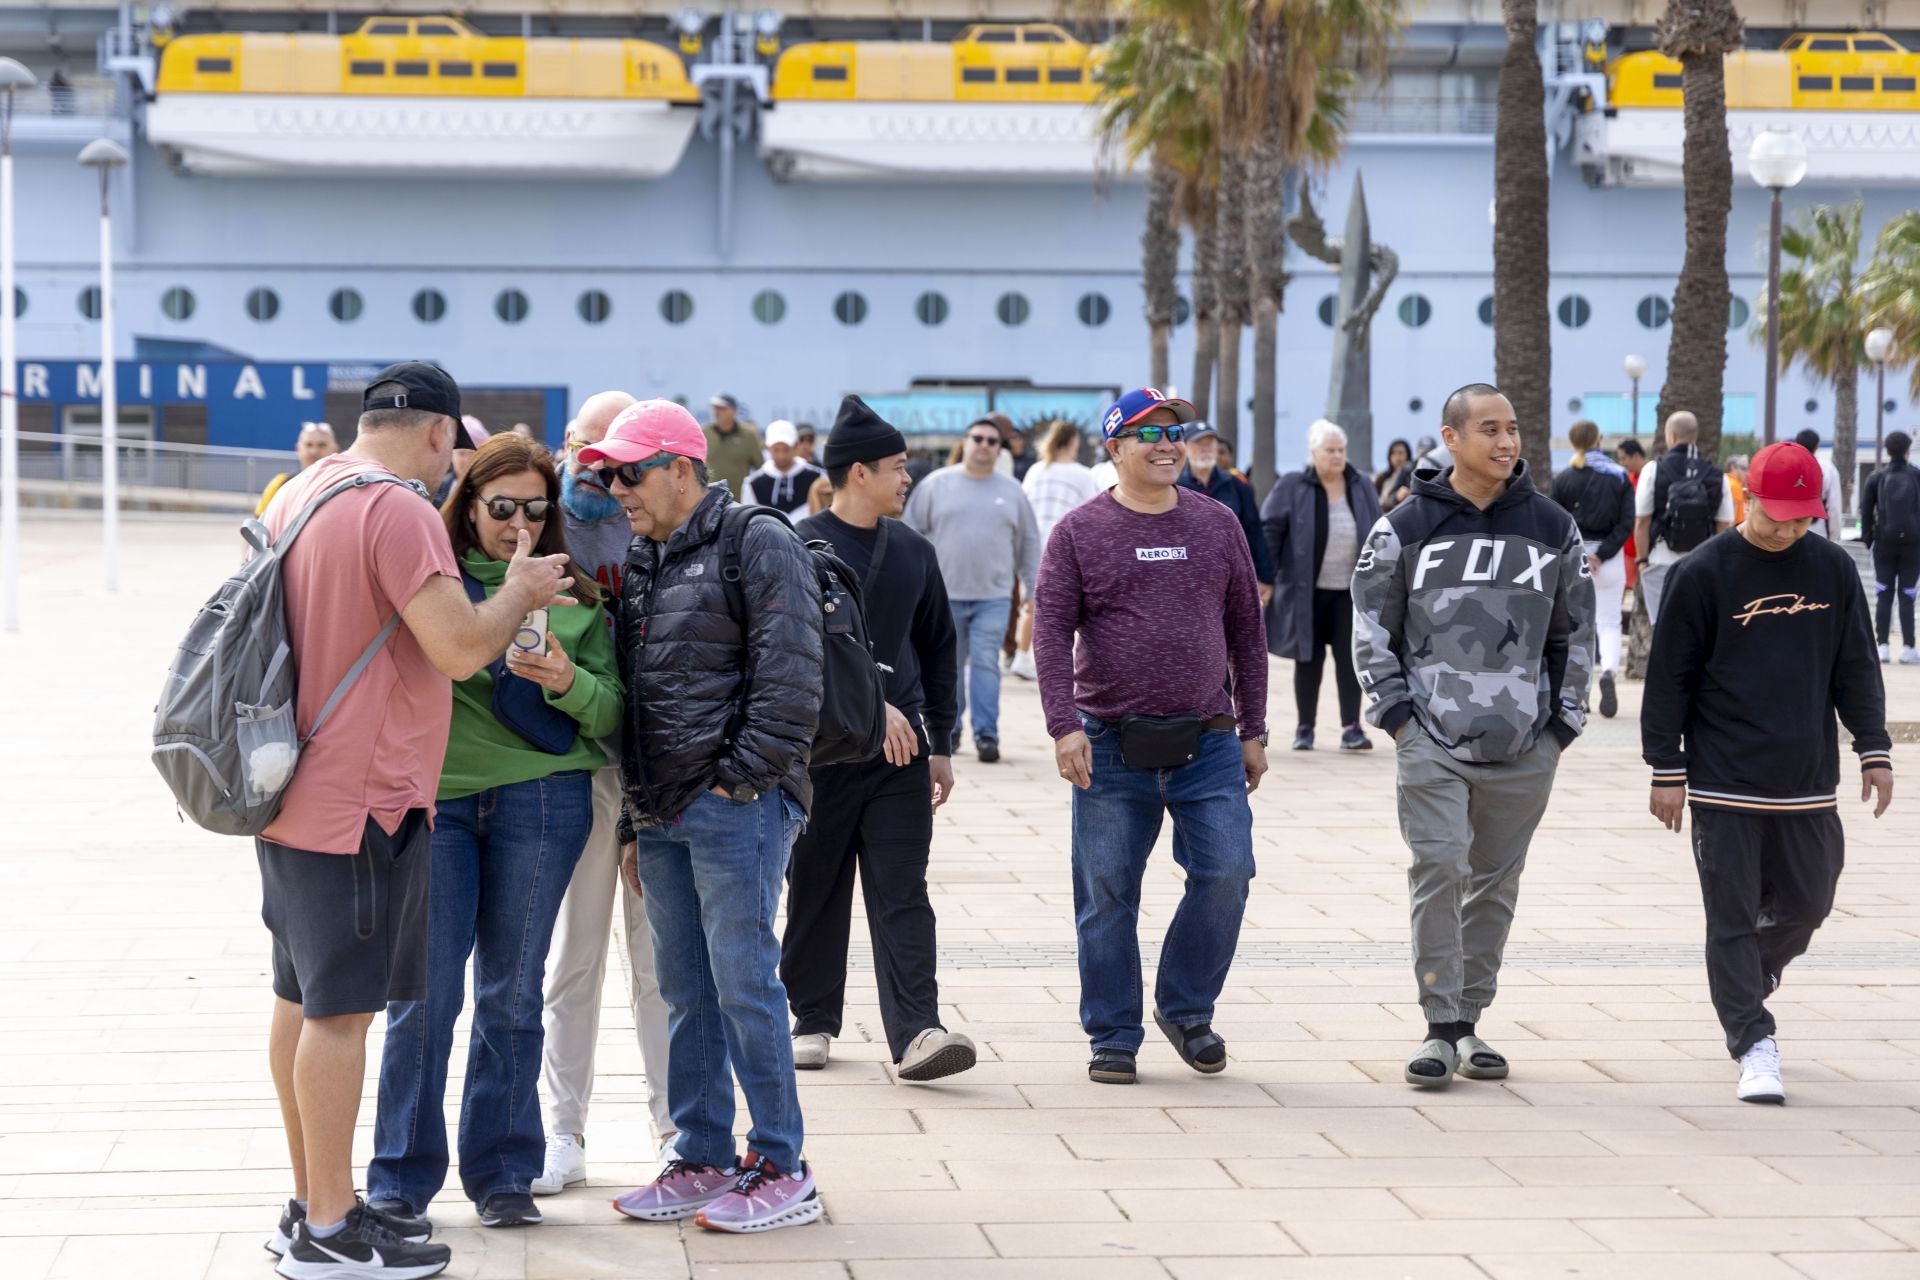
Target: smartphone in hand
{"points": [[531, 637]]}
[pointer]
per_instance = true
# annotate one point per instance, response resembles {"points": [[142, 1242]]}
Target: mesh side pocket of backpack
{"points": [[269, 742]]}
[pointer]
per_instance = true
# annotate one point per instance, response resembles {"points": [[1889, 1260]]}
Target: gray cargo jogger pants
{"points": [[1468, 826]]}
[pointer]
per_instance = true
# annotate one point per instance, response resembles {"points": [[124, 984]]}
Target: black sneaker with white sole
{"points": [[414, 1230], [363, 1249], [1609, 698], [509, 1209]]}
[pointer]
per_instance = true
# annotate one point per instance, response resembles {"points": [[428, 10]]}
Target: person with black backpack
{"points": [[721, 647], [877, 815], [1598, 493], [1890, 525], [1687, 503]]}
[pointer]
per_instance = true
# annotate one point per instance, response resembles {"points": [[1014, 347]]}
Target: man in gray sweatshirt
{"points": [[985, 536], [598, 536]]}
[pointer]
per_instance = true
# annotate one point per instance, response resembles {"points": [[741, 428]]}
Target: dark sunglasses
{"points": [[629, 473], [1151, 435], [993, 441], [502, 509]]}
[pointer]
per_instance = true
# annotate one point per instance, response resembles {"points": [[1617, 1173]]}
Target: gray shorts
{"points": [[349, 930]]}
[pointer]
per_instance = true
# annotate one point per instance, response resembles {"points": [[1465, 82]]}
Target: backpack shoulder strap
{"points": [[733, 536], [879, 553]]}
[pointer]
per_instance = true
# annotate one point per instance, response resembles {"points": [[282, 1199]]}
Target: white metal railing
{"points": [[65, 468], [89, 97], [1394, 113]]}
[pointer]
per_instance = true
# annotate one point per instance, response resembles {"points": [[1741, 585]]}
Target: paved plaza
{"points": [[139, 1136]]}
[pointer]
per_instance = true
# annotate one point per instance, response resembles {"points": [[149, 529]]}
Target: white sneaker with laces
{"points": [[1023, 665], [669, 1151], [810, 1051], [1760, 1074], [1909, 656], [566, 1165], [1886, 654]]}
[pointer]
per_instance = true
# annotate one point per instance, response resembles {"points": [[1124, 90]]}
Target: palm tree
{"points": [[1893, 289], [1160, 264], [1825, 304], [1699, 34], [1522, 325], [1197, 210]]}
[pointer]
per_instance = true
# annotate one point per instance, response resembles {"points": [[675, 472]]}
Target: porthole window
{"points": [[1813, 406], [511, 306], [177, 303], [1013, 309], [1326, 310], [676, 306], [1654, 311], [1415, 405], [429, 305], [1738, 313], [1415, 310], [19, 303], [1182, 310], [346, 305], [850, 308], [263, 304], [89, 302], [1485, 311], [1094, 310], [1574, 311], [1575, 405], [595, 306], [769, 307], [930, 308]]}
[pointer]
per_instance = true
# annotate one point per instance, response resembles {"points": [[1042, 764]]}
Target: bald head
{"points": [[596, 414], [1682, 428]]}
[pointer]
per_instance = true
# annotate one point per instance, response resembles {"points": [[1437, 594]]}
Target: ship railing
{"points": [[1396, 113], [85, 96], [63, 469]]}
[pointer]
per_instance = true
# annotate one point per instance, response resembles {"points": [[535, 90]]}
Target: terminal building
{"points": [[908, 200]]}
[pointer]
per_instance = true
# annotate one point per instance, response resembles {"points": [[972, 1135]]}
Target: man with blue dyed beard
{"points": [[598, 536]]}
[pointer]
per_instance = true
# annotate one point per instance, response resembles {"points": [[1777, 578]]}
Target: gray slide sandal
{"points": [[1434, 1053]]}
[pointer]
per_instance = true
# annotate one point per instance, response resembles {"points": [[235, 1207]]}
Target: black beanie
{"points": [[861, 435]]}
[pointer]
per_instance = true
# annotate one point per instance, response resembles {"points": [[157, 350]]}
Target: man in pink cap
{"points": [[1764, 637], [723, 673]]}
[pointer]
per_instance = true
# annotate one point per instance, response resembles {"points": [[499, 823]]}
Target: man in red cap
{"points": [[1763, 637]]}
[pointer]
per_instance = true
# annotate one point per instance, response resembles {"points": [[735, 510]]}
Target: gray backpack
{"points": [[224, 735]]}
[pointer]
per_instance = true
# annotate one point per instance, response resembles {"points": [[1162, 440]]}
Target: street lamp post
{"points": [[1777, 160], [12, 76], [1879, 347], [1635, 368], [104, 155]]}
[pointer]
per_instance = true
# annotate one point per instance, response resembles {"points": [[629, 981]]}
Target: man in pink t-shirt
{"points": [[344, 866]]}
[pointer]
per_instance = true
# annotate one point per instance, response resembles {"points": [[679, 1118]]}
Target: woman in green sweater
{"points": [[514, 807]]}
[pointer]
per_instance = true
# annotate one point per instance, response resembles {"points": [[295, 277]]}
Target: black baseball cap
{"points": [[429, 388]]}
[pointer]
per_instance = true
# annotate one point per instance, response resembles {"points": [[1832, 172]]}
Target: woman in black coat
{"points": [[1316, 521]]}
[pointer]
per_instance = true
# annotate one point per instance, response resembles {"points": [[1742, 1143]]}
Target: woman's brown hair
{"points": [[508, 454], [1063, 442], [1583, 435]]}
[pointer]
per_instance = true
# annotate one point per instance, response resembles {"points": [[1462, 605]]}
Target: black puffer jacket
{"points": [[713, 700]]}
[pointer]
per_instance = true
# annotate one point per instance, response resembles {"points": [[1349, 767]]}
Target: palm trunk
{"points": [[1206, 308], [1230, 278], [1160, 265], [1522, 325], [1699, 33], [1266, 254], [1846, 437]]}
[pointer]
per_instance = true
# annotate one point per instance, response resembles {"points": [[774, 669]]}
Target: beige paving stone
{"points": [[1344, 1268], [1550, 1202], [1731, 1142], [1515, 1235], [1850, 1266], [1027, 1120], [758, 1271], [1558, 1171], [1370, 1204], [853, 1208], [1639, 1266], [28, 1257], [628, 1251], [1090, 1240], [1204, 1146], [1368, 1173], [1797, 1201], [1715, 1235], [1104, 1174], [164, 1257], [831, 1241], [1109, 1268]]}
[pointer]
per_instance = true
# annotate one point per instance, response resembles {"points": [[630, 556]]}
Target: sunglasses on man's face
{"points": [[1151, 435], [992, 442], [629, 473], [502, 509]]}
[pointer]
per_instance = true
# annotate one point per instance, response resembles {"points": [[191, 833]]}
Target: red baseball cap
{"points": [[1786, 480], [648, 428]]}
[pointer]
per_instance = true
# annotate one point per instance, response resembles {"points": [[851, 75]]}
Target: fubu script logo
{"points": [[1160, 553], [1765, 605]]}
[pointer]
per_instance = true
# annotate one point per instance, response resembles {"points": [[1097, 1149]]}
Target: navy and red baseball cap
{"points": [[1786, 480], [1135, 405]]}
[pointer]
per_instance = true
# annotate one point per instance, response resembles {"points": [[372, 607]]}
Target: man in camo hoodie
{"points": [[1473, 638]]}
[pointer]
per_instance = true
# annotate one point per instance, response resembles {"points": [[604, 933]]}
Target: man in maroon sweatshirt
{"points": [[1161, 709]]}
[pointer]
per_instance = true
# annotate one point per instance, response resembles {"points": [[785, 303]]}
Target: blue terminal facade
{"points": [[785, 266]]}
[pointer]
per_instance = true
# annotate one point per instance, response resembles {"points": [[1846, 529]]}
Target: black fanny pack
{"points": [[1159, 742]]}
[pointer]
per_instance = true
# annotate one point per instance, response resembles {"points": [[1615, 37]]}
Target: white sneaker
{"points": [[810, 1052], [1023, 665], [669, 1151], [1886, 654], [1909, 656], [1760, 1074], [935, 1053], [566, 1165]]}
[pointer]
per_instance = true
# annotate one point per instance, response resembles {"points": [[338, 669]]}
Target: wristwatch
{"points": [[743, 794], [1259, 738]]}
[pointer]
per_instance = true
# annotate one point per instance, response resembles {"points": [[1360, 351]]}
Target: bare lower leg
{"points": [[1023, 638], [283, 1041], [329, 1072]]}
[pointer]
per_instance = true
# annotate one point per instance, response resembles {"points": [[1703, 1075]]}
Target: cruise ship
{"points": [[908, 200]]}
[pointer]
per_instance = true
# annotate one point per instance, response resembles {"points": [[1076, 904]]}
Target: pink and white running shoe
{"points": [[763, 1199], [682, 1190]]}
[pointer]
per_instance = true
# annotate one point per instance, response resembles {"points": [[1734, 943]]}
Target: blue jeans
{"points": [[982, 625], [1115, 824], [712, 881], [502, 859]]}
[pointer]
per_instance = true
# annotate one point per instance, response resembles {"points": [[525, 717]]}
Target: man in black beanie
{"points": [[878, 815]]}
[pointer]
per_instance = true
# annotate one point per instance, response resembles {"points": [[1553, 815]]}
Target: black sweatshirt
{"points": [[1601, 504], [1755, 653], [908, 618]]}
